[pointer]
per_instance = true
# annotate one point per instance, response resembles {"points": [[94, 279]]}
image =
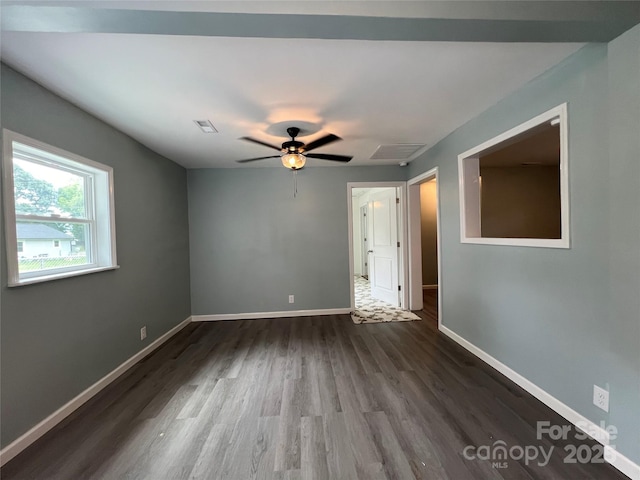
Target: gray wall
{"points": [[622, 347], [60, 337], [564, 319], [253, 244], [520, 202]]}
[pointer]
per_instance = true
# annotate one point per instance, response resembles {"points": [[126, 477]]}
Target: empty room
{"points": [[320, 240]]}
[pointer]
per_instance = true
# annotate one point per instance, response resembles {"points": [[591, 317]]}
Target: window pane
{"points": [[38, 250], [45, 190]]}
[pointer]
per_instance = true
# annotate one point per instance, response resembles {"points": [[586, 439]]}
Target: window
{"points": [[514, 188], [60, 206]]}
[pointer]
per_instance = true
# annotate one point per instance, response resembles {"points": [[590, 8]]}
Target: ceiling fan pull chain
{"points": [[295, 183]]}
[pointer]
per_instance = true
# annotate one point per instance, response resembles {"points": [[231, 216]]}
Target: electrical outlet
{"points": [[601, 398], [291, 299], [143, 333]]}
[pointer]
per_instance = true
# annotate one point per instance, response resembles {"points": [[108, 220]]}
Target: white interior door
{"points": [[383, 246]]}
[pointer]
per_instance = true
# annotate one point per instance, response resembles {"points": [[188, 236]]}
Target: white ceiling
{"points": [[368, 92]]}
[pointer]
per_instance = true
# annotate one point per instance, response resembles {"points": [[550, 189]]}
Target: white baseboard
{"points": [[619, 461], [259, 315], [22, 442], [429, 287], [622, 463]]}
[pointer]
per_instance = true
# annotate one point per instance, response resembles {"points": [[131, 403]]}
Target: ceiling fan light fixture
{"points": [[293, 161]]}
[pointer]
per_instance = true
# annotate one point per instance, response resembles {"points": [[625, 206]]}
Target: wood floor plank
{"points": [[394, 461], [336, 355], [263, 453], [311, 404], [172, 455], [117, 460], [385, 363], [192, 407], [293, 475], [242, 451], [422, 455], [367, 359], [272, 401], [340, 459], [293, 368], [329, 400], [364, 449], [212, 453], [400, 361], [288, 449], [350, 360], [313, 448], [373, 471]]}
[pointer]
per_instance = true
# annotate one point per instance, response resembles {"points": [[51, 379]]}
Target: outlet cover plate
{"points": [[601, 398]]}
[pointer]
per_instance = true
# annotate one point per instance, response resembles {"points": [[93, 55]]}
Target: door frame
{"points": [[415, 243], [364, 241], [403, 273]]}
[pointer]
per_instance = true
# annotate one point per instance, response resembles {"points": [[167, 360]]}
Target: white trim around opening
{"points": [[469, 185], [403, 274], [415, 243]]}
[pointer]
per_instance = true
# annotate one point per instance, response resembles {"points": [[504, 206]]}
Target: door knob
{"points": [[369, 251]]}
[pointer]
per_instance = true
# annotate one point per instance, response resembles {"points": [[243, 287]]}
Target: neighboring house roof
{"points": [[37, 231]]}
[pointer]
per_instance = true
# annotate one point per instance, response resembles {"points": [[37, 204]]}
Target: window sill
{"points": [[57, 276], [519, 242]]}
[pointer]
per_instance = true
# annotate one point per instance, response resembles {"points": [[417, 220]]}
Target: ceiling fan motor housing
{"points": [[293, 132], [292, 146]]}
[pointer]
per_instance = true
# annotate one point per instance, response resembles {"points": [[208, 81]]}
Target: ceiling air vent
{"points": [[397, 151], [206, 126]]}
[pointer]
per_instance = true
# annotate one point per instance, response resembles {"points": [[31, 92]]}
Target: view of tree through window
{"points": [[59, 212], [44, 191]]}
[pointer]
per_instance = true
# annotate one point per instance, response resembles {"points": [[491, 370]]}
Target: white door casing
{"points": [[365, 241], [415, 245], [383, 246]]}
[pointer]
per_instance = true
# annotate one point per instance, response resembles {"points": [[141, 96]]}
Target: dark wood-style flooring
{"points": [[430, 304], [302, 398]]}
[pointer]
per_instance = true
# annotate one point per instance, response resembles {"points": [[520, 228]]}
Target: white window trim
{"points": [[468, 185], [104, 259]]}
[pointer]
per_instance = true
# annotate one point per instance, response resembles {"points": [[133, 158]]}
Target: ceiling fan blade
{"points": [[328, 156], [258, 158], [321, 141], [249, 139]]}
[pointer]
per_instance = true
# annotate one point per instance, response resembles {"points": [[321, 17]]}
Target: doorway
{"points": [[376, 233], [425, 264]]}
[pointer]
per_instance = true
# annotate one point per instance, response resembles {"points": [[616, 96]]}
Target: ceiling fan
{"points": [[294, 153]]}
